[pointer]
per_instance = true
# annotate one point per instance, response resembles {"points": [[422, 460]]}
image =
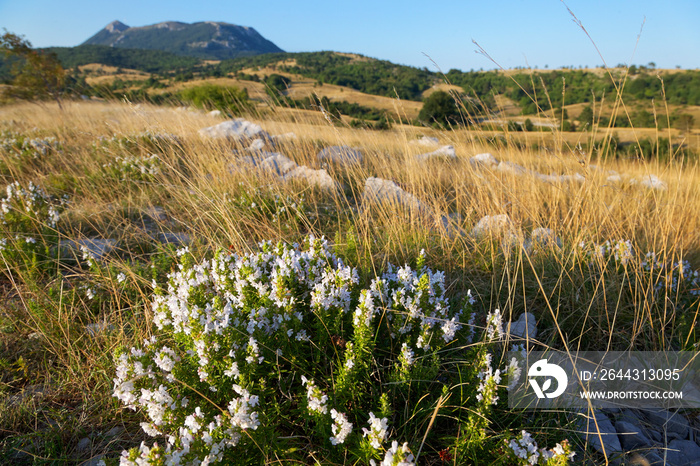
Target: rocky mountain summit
{"points": [[209, 40]]}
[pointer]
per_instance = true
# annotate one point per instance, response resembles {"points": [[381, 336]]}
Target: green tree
{"points": [[37, 74], [585, 118], [439, 108]]}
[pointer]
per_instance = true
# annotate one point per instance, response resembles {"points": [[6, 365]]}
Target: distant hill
{"points": [[150, 61], [207, 40]]}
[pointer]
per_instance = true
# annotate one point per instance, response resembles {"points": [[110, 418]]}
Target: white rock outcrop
{"points": [[237, 129], [444, 152], [383, 191], [342, 155], [485, 159], [319, 178], [524, 327]]}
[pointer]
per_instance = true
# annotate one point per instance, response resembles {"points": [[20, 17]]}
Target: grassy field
{"points": [[64, 317]]}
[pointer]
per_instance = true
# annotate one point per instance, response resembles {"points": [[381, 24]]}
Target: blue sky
{"points": [[515, 33]]}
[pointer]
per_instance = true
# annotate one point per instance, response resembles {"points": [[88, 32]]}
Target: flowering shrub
{"points": [[28, 219], [281, 352], [24, 148], [135, 168], [526, 451]]}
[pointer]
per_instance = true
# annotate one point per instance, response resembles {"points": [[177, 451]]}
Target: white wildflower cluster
{"points": [[377, 432], [315, 399], [671, 275], [133, 167], [20, 146], [232, 319], [417, 309], [526, 451], [494, 326], [407, 357], [396, 456], [488, 387], [341, 427], [230, 315], [32, 202], [513, 372]]}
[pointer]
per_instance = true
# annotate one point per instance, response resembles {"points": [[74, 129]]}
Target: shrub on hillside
{"points": [[230, 100], [439, 109]]}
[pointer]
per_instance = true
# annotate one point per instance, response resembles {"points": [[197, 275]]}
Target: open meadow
{"points": [[292, 290]]}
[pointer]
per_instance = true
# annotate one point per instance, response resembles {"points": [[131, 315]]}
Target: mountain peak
{"points": [[116, 26], [206, 39]]}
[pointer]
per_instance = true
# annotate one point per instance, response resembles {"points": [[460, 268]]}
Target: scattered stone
{"points": [[257, 145], [95, 461], [318, 178], [385, 191], [287, 136], [672, 423], [214, 113], [512, 168], [486, 160], [342, 155], [273, 162], [443, 152], [156, 214], [238, 129], [544, 237], [99, 248], [426, 141], [576, 177], [653, 182], [178, 239], [631, 436], [114, 432], [84, 445], [604, 431], [682, 453], [493, 225], [524, 327], [614, 179]]}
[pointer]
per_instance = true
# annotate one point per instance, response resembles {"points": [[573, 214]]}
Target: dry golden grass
{"points": [[584, 308]]}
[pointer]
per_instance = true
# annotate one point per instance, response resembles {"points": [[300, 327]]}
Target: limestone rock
{"points": [[342, 155], [387, 192], [524, 327], [318, 178], [604, 431], [484, 160], [631, 436], [238, 129], [446, 152], [426, 141], [512, 168]]}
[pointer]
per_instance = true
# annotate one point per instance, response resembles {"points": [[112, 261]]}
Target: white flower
{"points": [[341, 427], [513, 373], [407, 357], [121, 277], [377, 432], [396, 456], [489, 383], [494, 325], [315, 398]]}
